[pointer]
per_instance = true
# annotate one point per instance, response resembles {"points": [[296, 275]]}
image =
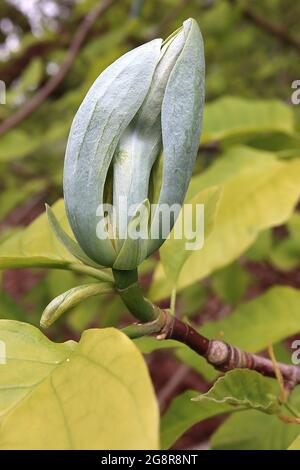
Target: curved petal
{"points": [[141, 143], [182, 110], [104, 114]]}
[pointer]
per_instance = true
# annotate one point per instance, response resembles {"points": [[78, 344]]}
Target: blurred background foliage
{"points": [[250, 130]]}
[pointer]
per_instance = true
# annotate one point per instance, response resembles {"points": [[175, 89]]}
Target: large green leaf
{"points": [[184, 413], [37, 245], [95, 394], [243, 388], [243, 117], [285, 255], [258, 192], [251, 430], [174, 253], [237, 390], [230, 283]]}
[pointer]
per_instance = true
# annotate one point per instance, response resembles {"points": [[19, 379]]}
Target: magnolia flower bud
{"points": [[148, 102]]}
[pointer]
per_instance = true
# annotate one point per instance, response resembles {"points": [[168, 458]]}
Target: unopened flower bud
{"points": [[144, 107]]}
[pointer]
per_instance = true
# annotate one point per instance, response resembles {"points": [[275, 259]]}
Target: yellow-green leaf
{"points": [[174, 252], [252, 430], [237, 390], [259, 192], [96, 394], [243, 117], [37, 245], [244, 388]]}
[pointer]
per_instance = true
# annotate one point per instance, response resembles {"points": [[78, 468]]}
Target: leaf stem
{"points": [[137, 330], [93, 272], [127, 285], [173, 301]]}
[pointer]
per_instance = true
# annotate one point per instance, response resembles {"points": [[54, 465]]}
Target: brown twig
{"points": [[275, 30], [225, 357], [222, 356], [53, 83]]}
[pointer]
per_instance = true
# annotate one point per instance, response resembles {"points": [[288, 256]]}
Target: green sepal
{"points": [[67, 241], [69, 299]]}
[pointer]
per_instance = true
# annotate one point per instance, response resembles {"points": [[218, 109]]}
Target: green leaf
{"points": [[36, 245], [231, 283], [16, 144], [83, 389], [258, 192], [285, 145], [193, 299], [69, 299], [252, 430], [237, 390], [248, 327], [9, 309], [261, 248], [244, 117], [243, 388], [285, 255], [174, 252], [293, 225], [184, 413]]}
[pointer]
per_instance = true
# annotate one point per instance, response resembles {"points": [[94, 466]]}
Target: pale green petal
{"points": [[104, 114], [181, 120]]}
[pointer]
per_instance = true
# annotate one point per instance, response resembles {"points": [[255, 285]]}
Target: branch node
{"points": [[217, 353]]}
